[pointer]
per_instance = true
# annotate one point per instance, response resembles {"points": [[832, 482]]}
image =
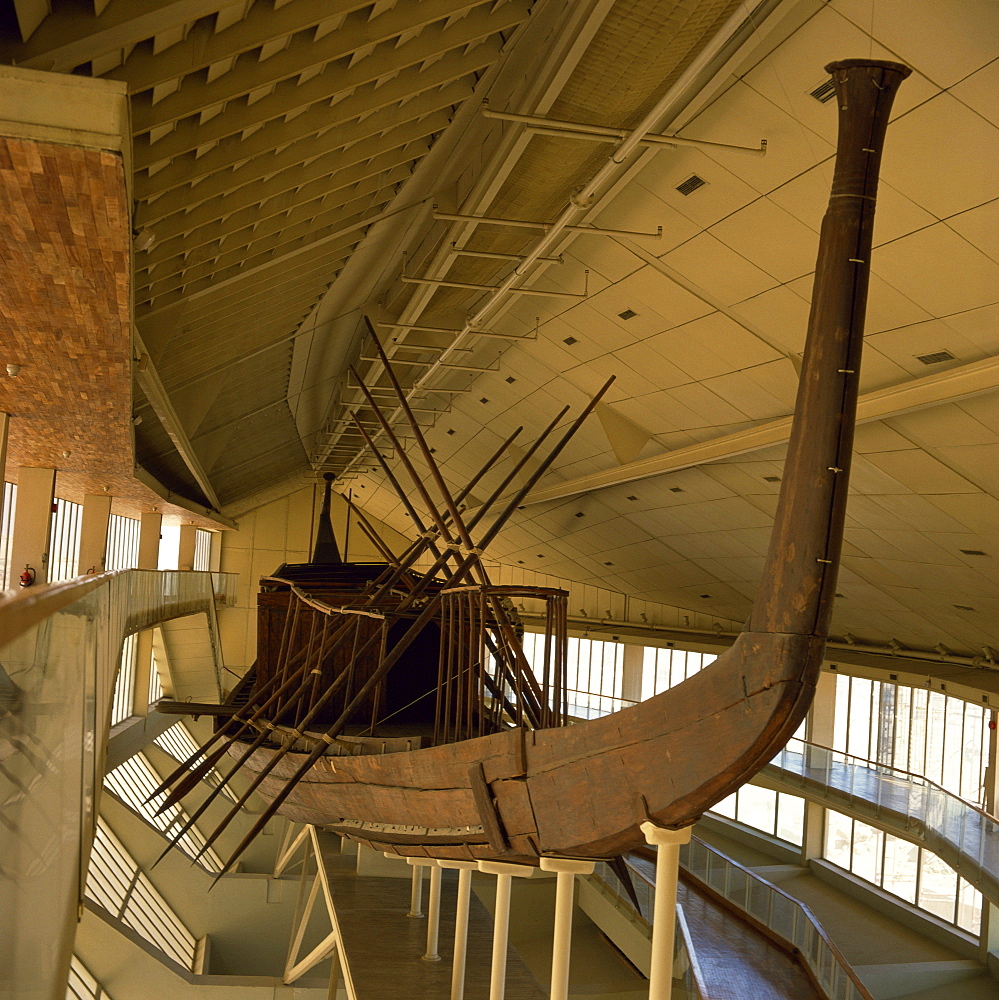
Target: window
{"points": [[123, 543], [124, 685], [925, 732], [64, 540], [82, 985], [902, 869], [133, 782], [7, 533], [776, 814], [180, 745], [202, 550], [116, 883], [665, 668]]}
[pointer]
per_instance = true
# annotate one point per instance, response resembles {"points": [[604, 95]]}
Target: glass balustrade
{"points": [[773, 909], [901, 802], [60, 648]]}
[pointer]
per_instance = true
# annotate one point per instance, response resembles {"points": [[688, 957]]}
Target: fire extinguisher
{"points": [[28, 576]]}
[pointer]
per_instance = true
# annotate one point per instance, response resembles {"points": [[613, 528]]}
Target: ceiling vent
{"points": [[676, 489], [771, 479], [628, 314], [824, 92], [691, 184], [570, 341], [964, 607], [973, 552], [935, 358]]}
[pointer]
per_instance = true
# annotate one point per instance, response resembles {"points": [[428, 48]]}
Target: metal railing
{"points": [[782, 915], [909, 805], [688, 980]]}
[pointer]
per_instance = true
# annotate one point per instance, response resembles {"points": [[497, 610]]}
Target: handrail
{"points": [[20, 611], [696, 975], [888, 767], [807, 942]]}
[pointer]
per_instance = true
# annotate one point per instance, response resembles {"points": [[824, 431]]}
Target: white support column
{"points": [[32, 523], [567, 869], [94, 534], [632, 666], [433, 915], [150, 526], [667, 844], [501, 920], [465, 869], [187, 547], [416, 895]]}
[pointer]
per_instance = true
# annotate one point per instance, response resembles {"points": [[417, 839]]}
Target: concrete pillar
{"points": [[32, 523], [94, 534], [667, 844], [631, 672], [150, 524], [433, 915], [567, 869], [188, 543], [465, 869], [820, 729], [501, 921]]}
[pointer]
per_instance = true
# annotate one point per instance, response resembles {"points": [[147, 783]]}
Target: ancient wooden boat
{"points": [[488, 767]]}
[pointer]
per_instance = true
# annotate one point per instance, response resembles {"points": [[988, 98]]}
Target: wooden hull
{"points": [[578, 791]]}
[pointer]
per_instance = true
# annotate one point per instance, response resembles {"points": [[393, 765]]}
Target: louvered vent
{"points": [[691, 184], [824, 92], [935, 358]]}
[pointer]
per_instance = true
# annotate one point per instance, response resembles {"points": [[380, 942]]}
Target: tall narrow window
{"points": [[7, 533], [64, 540]]}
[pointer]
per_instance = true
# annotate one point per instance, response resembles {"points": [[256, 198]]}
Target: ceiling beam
{"points": [[283, 69], [72, 37], [315, 115], [159, 400], [204, 47], [931, 390], [262, 159], [262, 220], [327, 224], [289, 186]]}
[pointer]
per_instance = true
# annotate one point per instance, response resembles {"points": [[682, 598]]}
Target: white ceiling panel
{"points": [[938, 135], [979, 91], [771, 237], [947, 39], [720, 271], [939, 270], [797, 67], [744, 117]]}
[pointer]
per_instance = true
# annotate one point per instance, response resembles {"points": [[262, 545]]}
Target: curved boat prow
{"points": [[783, 643]]}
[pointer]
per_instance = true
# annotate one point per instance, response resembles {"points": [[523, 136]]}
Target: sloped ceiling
{"points": [[293, 161]]}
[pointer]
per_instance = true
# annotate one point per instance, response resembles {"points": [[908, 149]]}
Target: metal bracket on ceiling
{"points": [[491, 220], [474, 286], [600, 133], [439, 364], [454, 331], [494, 255]]}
